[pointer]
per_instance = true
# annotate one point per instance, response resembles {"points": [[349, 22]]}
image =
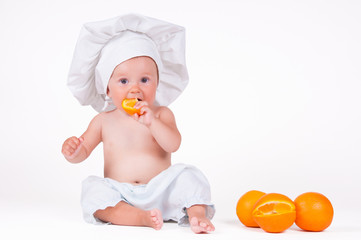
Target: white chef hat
{"points": [[103, 45]]}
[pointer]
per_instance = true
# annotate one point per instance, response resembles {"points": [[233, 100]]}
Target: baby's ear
{"points": [[108, 93]]}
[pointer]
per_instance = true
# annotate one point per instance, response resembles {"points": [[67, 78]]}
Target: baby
{"points": [[140, 58]]}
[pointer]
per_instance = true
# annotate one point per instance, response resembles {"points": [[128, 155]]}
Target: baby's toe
{"points": [[193, 221], [203, 224]]}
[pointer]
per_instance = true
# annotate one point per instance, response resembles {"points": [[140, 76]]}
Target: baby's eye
{"points": [[123, 81], [145, 80]]}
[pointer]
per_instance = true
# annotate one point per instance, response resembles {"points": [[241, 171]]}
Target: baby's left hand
{"points": [[146, 113]]}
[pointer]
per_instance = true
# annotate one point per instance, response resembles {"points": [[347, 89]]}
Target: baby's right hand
{"points": [[71, 147]]}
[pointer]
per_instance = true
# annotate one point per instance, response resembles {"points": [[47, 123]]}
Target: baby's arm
{"points": [[163, 127], [161, 124], [164, 130], [76, 150]]}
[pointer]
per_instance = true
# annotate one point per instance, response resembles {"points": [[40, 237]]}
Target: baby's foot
{"points": [[155, 219], [201, 225]]}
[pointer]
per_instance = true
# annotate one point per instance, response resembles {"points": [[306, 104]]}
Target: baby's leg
{"points": [[127, 215], [198, 220]]}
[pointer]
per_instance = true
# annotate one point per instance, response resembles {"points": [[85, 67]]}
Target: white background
{"points": [[273, 104]]}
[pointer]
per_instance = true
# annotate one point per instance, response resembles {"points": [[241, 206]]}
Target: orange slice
{"points": [[274, 212], [128, 106]]}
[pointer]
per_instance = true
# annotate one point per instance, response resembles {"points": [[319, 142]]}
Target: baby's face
{"points": [[134, 78]]}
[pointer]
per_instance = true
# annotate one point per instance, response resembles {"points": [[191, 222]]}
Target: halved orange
{"points": [[274, 212], [245, 206], [128, 106]]}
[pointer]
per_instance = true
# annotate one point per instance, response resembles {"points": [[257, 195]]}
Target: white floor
{"points": [[51, 222]]}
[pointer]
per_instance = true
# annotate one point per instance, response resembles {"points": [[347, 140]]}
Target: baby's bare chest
{"points": [[127, 136]]}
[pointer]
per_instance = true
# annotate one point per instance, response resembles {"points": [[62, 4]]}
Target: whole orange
{"points": [[314, 212], [274, 212], [245, 206]]}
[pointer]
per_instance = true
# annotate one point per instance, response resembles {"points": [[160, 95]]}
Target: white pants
{"points": [[172, 192]]}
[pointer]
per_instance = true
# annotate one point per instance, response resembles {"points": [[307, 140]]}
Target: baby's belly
{"points": [[136, 170]]}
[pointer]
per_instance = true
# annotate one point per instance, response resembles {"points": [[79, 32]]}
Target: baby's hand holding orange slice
{"points": [[128, 106]]}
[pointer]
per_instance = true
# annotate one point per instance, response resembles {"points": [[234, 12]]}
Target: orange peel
{"points": [[314, 212], [245, 206]]}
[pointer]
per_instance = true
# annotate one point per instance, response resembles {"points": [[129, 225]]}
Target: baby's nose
{"points": [[135, 89]]}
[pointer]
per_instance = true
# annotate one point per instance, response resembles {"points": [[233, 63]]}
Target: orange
{"points": [[274, 212], [128, 106], [245, 206], [314, 212]]}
